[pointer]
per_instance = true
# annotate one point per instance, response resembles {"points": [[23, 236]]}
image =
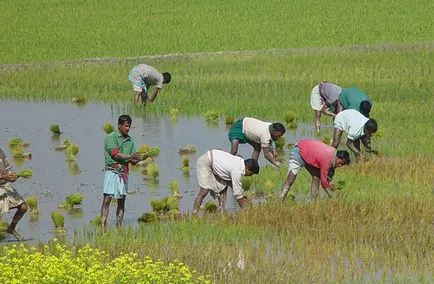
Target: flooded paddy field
{"points": [[54, 178]]}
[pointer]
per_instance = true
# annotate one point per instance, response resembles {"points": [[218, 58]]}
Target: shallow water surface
{"points": [[54, 178]]}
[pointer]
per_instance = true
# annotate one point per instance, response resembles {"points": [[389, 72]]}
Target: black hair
{"points": [[167, 77], [252, 165], [278, 127], [343, 155], [365, 108], [124, 118], [371, 125]]}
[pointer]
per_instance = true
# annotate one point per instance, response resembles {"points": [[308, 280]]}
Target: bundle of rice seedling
{"points": [[185, 161], [26, 173], [174, 187], [148, 217], [55, 129], [153, 152], [211, 116], [108, 128], [185, 171], [160, 205], [65, 143], [210, 207], [189, 149], [172, 203], [246, 183], [143, 149], [32, 202], [58, 220], [17, 142], [152, 171], [71, 152], [229, 120], [280, 142], [74, 199]]}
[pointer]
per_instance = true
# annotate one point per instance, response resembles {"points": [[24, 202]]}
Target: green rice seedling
{"points": [[189, 149], [185, 161], [18, 154], [79, 100], [173, 112], [26, 173], [152, 171], [246, 183], [340, 184], [32, 202], [71, 152], [289, 117], [160, 205], [210, 207], [17, 142], [3, 227], [212, 116], [268, 185], [74, 199], [173, 203], [185, 171], [148, 217], [65, 143], [153, 152], [108, 128], [143, 149], [280, 142], [174, 187], [96, 221], [55, 129], [58, 220], [229, 120]]}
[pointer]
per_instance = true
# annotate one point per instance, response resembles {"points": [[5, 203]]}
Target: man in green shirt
{"points": [[353, 98], [119, 152]]}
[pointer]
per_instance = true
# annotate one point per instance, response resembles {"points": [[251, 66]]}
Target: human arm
{"points": [[350, 144], [269, 156], [154, 94], [337, 134], [9, 176], [325, 110]]}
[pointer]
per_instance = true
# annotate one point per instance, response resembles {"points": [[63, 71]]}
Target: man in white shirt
{"points": [[216, 170], [358, 127], [143, 76], [257, 133]]}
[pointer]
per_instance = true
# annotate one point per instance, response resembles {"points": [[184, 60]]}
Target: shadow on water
{"points": [[54, 178]]}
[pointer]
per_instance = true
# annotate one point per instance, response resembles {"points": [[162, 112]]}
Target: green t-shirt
{"points": [[115, 141], [350, 98]]}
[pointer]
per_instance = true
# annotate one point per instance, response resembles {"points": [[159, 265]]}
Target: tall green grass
{"points": [[46, 30], [368, 241]]}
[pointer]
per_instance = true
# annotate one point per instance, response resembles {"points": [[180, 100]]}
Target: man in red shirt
{"points": [[319, 159]]}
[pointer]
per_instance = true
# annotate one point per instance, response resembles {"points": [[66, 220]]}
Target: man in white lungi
{"points": [[9, 197], [216, 170]]}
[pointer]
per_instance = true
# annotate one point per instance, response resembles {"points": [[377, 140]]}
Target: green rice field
{"points": [[258, 59]]}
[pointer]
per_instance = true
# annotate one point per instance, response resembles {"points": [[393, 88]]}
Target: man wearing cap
{"points": [[216, 170], [358, 127], [257, 133], [319, 159], [143, 76], [324, 98], [353, 98]]}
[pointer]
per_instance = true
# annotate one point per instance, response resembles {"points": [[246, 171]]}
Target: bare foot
{"points": [[16, 235]]}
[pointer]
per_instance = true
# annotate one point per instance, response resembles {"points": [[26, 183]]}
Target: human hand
{"points": [[10, 177], [243, 202], [360, 157]]}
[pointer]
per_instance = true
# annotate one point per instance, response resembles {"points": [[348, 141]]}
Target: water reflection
{"points": [[53, 178]]}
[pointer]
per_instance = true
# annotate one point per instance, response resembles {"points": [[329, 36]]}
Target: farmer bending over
{"points": [[358, 127], [257, 133], [216, 170], [319, 159], [143, 76], [119, 152], [324, 98], [9, 197], [353, 98]]}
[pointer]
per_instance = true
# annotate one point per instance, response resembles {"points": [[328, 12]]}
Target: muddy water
{"points": [[53, 178]]}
